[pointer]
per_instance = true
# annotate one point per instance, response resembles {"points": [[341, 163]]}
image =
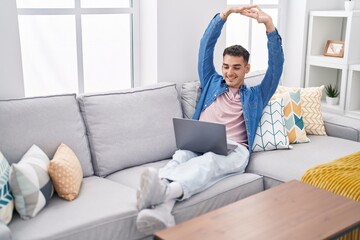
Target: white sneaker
{"points": [[152, 189], [151, 220]]}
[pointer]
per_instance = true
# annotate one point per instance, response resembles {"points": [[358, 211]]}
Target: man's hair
{"points": [[237, 51]]}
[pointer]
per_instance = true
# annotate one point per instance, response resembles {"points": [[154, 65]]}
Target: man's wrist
{"points": [[270, 27], [225, 14]]}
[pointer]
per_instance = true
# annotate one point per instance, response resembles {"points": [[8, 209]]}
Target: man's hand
{"points": [[252, 11], [224, 14], [261, 17]]}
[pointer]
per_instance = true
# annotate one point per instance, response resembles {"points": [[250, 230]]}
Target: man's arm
{"points": [[206, 51], [275, 53], [206, 67]]}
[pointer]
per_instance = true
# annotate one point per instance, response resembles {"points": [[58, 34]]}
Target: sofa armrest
{"points": [[342, 126], [5, 233]]}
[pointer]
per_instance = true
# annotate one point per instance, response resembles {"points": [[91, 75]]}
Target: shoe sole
{"points": [[148, 225], [149, 194]]}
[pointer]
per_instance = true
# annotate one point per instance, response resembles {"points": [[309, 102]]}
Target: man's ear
{"points": [[247, 68]]}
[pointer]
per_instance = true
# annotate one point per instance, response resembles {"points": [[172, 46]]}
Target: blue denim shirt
{"points": [[253, 99]]}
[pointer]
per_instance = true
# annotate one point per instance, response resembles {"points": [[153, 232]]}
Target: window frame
{"points": [[78, 11], [278, 25]]}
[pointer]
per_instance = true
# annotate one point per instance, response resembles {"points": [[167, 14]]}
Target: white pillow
{"points": [[30, 183], [271, 132]]}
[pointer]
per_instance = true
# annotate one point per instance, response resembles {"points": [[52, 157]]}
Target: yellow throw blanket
{"points": [[341, 176]]}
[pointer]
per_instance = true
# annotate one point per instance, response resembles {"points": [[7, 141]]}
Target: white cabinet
{"points": [[353, 90], [339, 71]]}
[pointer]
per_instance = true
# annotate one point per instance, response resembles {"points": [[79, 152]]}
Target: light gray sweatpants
{"points": [[196, 172]]}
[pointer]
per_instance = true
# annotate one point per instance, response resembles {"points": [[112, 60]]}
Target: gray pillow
{"points": [[47, 122], [254, 78], [189, 96], [131, 127]]}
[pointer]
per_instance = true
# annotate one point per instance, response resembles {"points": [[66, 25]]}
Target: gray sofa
{"points": [[116, 136]]}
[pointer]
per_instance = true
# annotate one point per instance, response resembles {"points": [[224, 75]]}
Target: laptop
{"points": [[201, 137]]}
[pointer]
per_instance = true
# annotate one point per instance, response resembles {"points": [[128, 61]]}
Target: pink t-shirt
{"points": [[227, 109]]}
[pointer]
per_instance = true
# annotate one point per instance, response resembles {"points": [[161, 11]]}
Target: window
{"points": [[77, 45], [249, 34]]}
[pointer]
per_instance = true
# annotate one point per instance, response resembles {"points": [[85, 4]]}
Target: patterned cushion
{"points": [[66, 173], [311, 106], [30, 183], [271, 132], [293, 116], [6, 199]]}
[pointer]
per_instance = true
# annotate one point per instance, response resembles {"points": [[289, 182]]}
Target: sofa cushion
{"points": [[342, 126], [226, 191], [131, 176], [130, 127], [46, 122], [189, 96], [30, 183], [66, 173], [283, 166], [6, 198], [103, 210], [254, 78]]}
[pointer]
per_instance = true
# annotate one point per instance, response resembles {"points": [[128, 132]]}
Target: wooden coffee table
{"points": [[292, 210]]}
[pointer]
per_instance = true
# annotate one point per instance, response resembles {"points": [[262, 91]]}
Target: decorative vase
{"points": [[349, 5], [331, 100]]}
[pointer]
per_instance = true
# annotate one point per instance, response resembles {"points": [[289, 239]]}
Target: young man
{"points": [[224, 99]]}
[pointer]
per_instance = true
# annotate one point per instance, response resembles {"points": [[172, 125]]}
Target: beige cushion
{"points": [[311, 107], [66, 173]]}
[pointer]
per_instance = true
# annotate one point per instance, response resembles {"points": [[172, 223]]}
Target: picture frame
{"points": [[334, 48]]}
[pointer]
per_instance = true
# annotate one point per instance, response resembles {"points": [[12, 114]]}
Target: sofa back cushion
{"points": [[130, 127], [46, 122]]}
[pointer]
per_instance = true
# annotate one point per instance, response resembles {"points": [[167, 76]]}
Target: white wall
{"points": [[148, 42], [294, 41], [172, 45], [11, 76]]}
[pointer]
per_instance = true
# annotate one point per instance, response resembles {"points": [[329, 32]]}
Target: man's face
{"points": [[233, 70]]}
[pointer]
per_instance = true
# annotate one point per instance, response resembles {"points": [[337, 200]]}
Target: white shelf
{"points": [[353, 90], [355, 67], [325, 61], [336, 13], [332, 108], [342, 72]]}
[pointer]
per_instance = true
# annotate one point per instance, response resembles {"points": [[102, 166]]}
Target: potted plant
{"points": [[332, 95], [349, 5]]}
